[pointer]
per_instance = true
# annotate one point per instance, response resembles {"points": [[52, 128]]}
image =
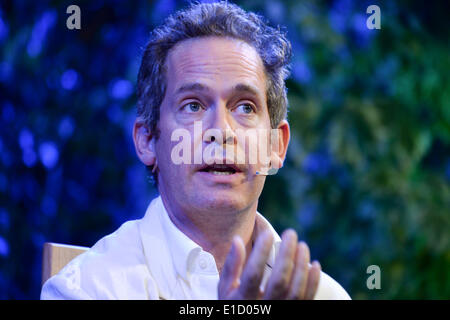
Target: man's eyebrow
{"points": [[242, 87], [193, 86]]}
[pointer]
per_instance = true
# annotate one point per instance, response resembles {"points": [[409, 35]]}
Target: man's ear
{"points": [[144, 142], [280, 145]]}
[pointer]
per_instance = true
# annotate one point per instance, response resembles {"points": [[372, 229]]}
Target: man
{"points": [[202, 238]]}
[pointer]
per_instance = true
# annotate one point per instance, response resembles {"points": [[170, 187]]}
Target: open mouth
{"points": [[220, 169]]}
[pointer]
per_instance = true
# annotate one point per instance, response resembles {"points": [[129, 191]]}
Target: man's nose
{"points": [[220, 129]]}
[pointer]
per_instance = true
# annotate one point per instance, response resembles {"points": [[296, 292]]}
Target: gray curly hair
{"points": [[221, 19]]}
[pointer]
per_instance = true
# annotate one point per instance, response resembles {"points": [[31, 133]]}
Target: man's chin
{"points": [[222, 201]]}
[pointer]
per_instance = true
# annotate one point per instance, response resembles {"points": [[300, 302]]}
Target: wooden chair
{"points": [[56, 256]]}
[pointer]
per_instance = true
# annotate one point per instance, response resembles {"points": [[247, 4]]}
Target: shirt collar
{"points": [[184, 250], [262, 224]]}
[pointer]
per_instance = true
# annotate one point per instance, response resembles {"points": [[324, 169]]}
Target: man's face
{"points": [[219, 83]]}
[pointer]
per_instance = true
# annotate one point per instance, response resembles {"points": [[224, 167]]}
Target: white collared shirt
{"points": [[151, 258]]}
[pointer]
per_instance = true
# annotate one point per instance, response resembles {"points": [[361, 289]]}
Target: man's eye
{"points": [[192, 107], [245, 108]]}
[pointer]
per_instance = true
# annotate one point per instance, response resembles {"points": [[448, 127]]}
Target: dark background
{"points": [[367, 178]]}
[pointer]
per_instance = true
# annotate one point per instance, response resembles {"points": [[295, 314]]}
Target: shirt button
{"points": [[202, 264]]}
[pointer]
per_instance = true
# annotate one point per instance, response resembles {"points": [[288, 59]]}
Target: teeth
{"points": [[221, 173]]}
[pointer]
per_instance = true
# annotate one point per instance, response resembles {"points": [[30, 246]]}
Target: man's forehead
{"points": [[214, 42], [215, 59]]}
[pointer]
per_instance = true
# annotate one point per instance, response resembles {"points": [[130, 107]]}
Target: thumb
{"points": [[232, 268]]}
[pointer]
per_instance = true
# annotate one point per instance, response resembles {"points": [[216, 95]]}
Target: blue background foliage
{"points": [[366, 180]]}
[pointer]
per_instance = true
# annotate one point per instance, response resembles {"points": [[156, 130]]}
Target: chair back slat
{"points": [[56, 256]]}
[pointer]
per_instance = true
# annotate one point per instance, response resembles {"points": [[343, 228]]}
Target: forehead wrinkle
{"points": [[241, 87], [216, 67], [241, 76]]}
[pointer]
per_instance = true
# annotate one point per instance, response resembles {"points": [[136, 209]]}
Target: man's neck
{"points": [[212, 232]]}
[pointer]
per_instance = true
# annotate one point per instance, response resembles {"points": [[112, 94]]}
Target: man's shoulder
{"points": [[125, 240], [114, 248], [330, 289], [101, 272]]}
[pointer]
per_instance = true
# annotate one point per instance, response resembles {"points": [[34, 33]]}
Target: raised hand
{"points": [[292, 276]]}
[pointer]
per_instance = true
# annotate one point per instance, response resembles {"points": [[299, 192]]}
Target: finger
{"points": [[254, 270], [313, 280], [232, 268], [278, 285], [300, 276]]}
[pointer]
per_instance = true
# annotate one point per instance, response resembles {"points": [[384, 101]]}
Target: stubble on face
{"points": [[219, 64]]}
